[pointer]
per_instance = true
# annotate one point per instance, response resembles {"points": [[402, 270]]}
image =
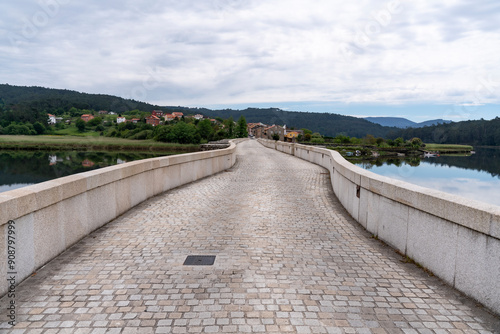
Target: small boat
{"points": [[430, 155]]}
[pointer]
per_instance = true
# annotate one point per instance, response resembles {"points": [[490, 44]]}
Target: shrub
{"points": [[144, 134]]}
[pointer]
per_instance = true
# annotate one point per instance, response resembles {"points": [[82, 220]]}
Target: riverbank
{"points": [[89, 143], [448, 148], [363, 152]]}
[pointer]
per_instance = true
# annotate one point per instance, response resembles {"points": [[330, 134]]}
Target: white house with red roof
{"points": [[52, 119], [169, 117]]}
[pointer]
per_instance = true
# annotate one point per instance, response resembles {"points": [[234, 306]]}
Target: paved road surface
{"points": [[288, 259]]}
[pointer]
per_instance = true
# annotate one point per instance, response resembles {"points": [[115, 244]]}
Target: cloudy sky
{"points": [[415, 59]]}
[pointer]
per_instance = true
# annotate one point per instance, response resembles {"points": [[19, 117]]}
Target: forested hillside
{"points": [[29, 100], [479, 132], [31, 104], [324, 123]]}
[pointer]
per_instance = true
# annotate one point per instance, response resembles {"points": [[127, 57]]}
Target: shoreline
{"points": [[65, 143]]}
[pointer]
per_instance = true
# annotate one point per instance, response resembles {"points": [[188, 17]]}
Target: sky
{"points": [[415, 59]]}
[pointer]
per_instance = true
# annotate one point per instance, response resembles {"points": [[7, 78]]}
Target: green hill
{"points": [[324, 123], [61, 100], [31, 104], [477, 132]]}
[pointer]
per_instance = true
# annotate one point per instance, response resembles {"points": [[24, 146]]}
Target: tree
{"points": [[205, 129], [39, 128], [369, 140], [317, 138], [80, 125], [95, 121], [164, 133], [74, 112], [186, 133], [229, 125], [241, 128], [416, 142]]}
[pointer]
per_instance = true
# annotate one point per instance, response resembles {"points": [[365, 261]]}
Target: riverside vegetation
{"points": [[370, 147], [104, 133]]}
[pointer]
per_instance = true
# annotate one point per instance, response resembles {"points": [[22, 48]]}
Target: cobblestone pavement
{"points": [[289, 259]]}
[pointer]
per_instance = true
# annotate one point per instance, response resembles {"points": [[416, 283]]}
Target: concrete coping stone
{"points": [[475, 215], [20, 202]]}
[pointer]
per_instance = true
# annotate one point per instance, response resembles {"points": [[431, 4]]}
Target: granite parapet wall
{"points": [[50, 217], [456, 238]]}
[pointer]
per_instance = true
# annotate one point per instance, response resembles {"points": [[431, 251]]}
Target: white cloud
{"points": [[237, 51]]}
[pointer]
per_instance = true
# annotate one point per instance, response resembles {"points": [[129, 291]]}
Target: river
{"points": [[22, 168], [476, 177]]}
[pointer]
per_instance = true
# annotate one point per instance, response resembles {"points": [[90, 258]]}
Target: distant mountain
{"points": [[403, 123], [433, 122]]}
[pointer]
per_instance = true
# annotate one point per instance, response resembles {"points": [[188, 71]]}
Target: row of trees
{"points": [[27, 128], [370, 140], [184, 131]]}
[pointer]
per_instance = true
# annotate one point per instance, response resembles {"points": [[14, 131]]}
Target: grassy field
{"points": [[73, 131], [88, 143], [442, 148]]}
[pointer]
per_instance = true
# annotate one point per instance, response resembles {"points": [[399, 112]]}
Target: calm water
{"points": [[23, 168], [475, 177]]}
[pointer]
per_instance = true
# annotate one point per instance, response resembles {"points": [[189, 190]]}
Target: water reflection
{"points": [[475, 177], [22, 168]]}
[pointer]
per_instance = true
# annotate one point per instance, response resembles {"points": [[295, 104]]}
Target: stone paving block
{"points": [[289, 259]]}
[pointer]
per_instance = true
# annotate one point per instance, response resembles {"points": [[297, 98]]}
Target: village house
{"points": [[121, 119], [87, 117], [169, 117], [87, 163], [177, 114], [103, 112], [135, 120], [273, 130], [255, 129], [153, 120], [292, 135], [157, 113], [52, 119], [198, 116]]}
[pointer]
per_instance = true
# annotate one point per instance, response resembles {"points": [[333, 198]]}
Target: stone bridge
{"points": [[288, 259]]}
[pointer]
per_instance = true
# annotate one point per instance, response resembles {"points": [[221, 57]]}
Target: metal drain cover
{"points": [[199, 260]]}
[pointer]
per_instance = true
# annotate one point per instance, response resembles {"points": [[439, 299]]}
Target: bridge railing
{"points": [[40, 221], [456, 238]]}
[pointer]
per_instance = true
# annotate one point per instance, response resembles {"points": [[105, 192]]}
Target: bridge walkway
{"points": [[289, 259]]}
